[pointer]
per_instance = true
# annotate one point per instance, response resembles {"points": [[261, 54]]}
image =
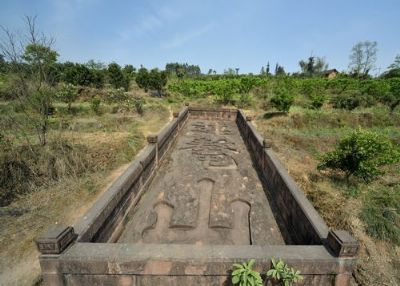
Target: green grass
{"points": [[381, 213]]}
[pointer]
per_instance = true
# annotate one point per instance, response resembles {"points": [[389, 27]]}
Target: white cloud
{"points": [[181, 39]]}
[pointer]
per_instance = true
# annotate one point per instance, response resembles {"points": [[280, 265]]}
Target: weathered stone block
{"points": [[152, 139], [342, 243], [56, 239]]}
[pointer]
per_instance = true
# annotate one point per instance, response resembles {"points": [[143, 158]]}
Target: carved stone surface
{"points": [[206, 192]]}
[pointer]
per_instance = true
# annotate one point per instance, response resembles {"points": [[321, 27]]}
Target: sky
{"points": [[216, 34]]}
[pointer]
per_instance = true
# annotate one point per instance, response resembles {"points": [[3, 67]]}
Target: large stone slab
{"points": [[205, 192]]}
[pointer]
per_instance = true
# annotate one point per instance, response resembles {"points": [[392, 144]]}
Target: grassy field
{"points": [[107, 142], [300, 138], [88, 150]]}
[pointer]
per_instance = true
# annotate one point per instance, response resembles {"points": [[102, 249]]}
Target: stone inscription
{"points": [[209, 144]]}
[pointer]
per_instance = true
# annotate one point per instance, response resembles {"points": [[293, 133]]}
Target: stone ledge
{"points": [[120, 258]]}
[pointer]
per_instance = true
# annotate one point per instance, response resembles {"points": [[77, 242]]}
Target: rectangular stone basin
{"points": [[206, 192]]}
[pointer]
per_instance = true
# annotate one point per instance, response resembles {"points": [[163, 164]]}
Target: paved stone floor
{"points": [[205, 192]]}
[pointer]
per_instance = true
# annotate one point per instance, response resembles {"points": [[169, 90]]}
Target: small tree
{"points": [[157, 80], [142, 79], [363, 58], [361, 154], [32, 60], [314, 66], [116, 76], [68, 93], [282, 100], [392, 98]]}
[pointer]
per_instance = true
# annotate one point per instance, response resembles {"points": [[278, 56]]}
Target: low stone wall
{"points": [[90, 258], [210, 113], [103, 222], [302, 221]]}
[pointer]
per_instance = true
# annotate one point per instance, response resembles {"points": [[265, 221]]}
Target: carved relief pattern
{"points": [[205, 194]]}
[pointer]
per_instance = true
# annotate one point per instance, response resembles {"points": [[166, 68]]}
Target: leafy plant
{"points": [[244, 275], [392, 97], [68, 94], [282, 100], [225, 91], [317, 100], [95, 104], [361, 154], [280, 271]]}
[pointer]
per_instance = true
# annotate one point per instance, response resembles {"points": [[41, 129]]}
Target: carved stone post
{"points": [[153, 139], [344, 246], [51, 245]]}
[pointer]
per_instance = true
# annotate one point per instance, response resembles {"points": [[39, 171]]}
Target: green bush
{"points": [[361, 154], [244, 100], [346, 101], [225, 91], [317, 100], [282, 100], [392, 97], [116, 95], [95, 105], [68, 93], [381, 214]]}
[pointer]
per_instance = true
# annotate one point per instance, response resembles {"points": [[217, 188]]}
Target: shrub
{"points": [[392, 97], [116, 95], [138, 103], [225, 91], [317, 100], [68, 94], [361, 154], [374, 87], [244, 275], [244, 100], [95, 104], [346, 101], [381, 214], [280, 271], [282, 100]]}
